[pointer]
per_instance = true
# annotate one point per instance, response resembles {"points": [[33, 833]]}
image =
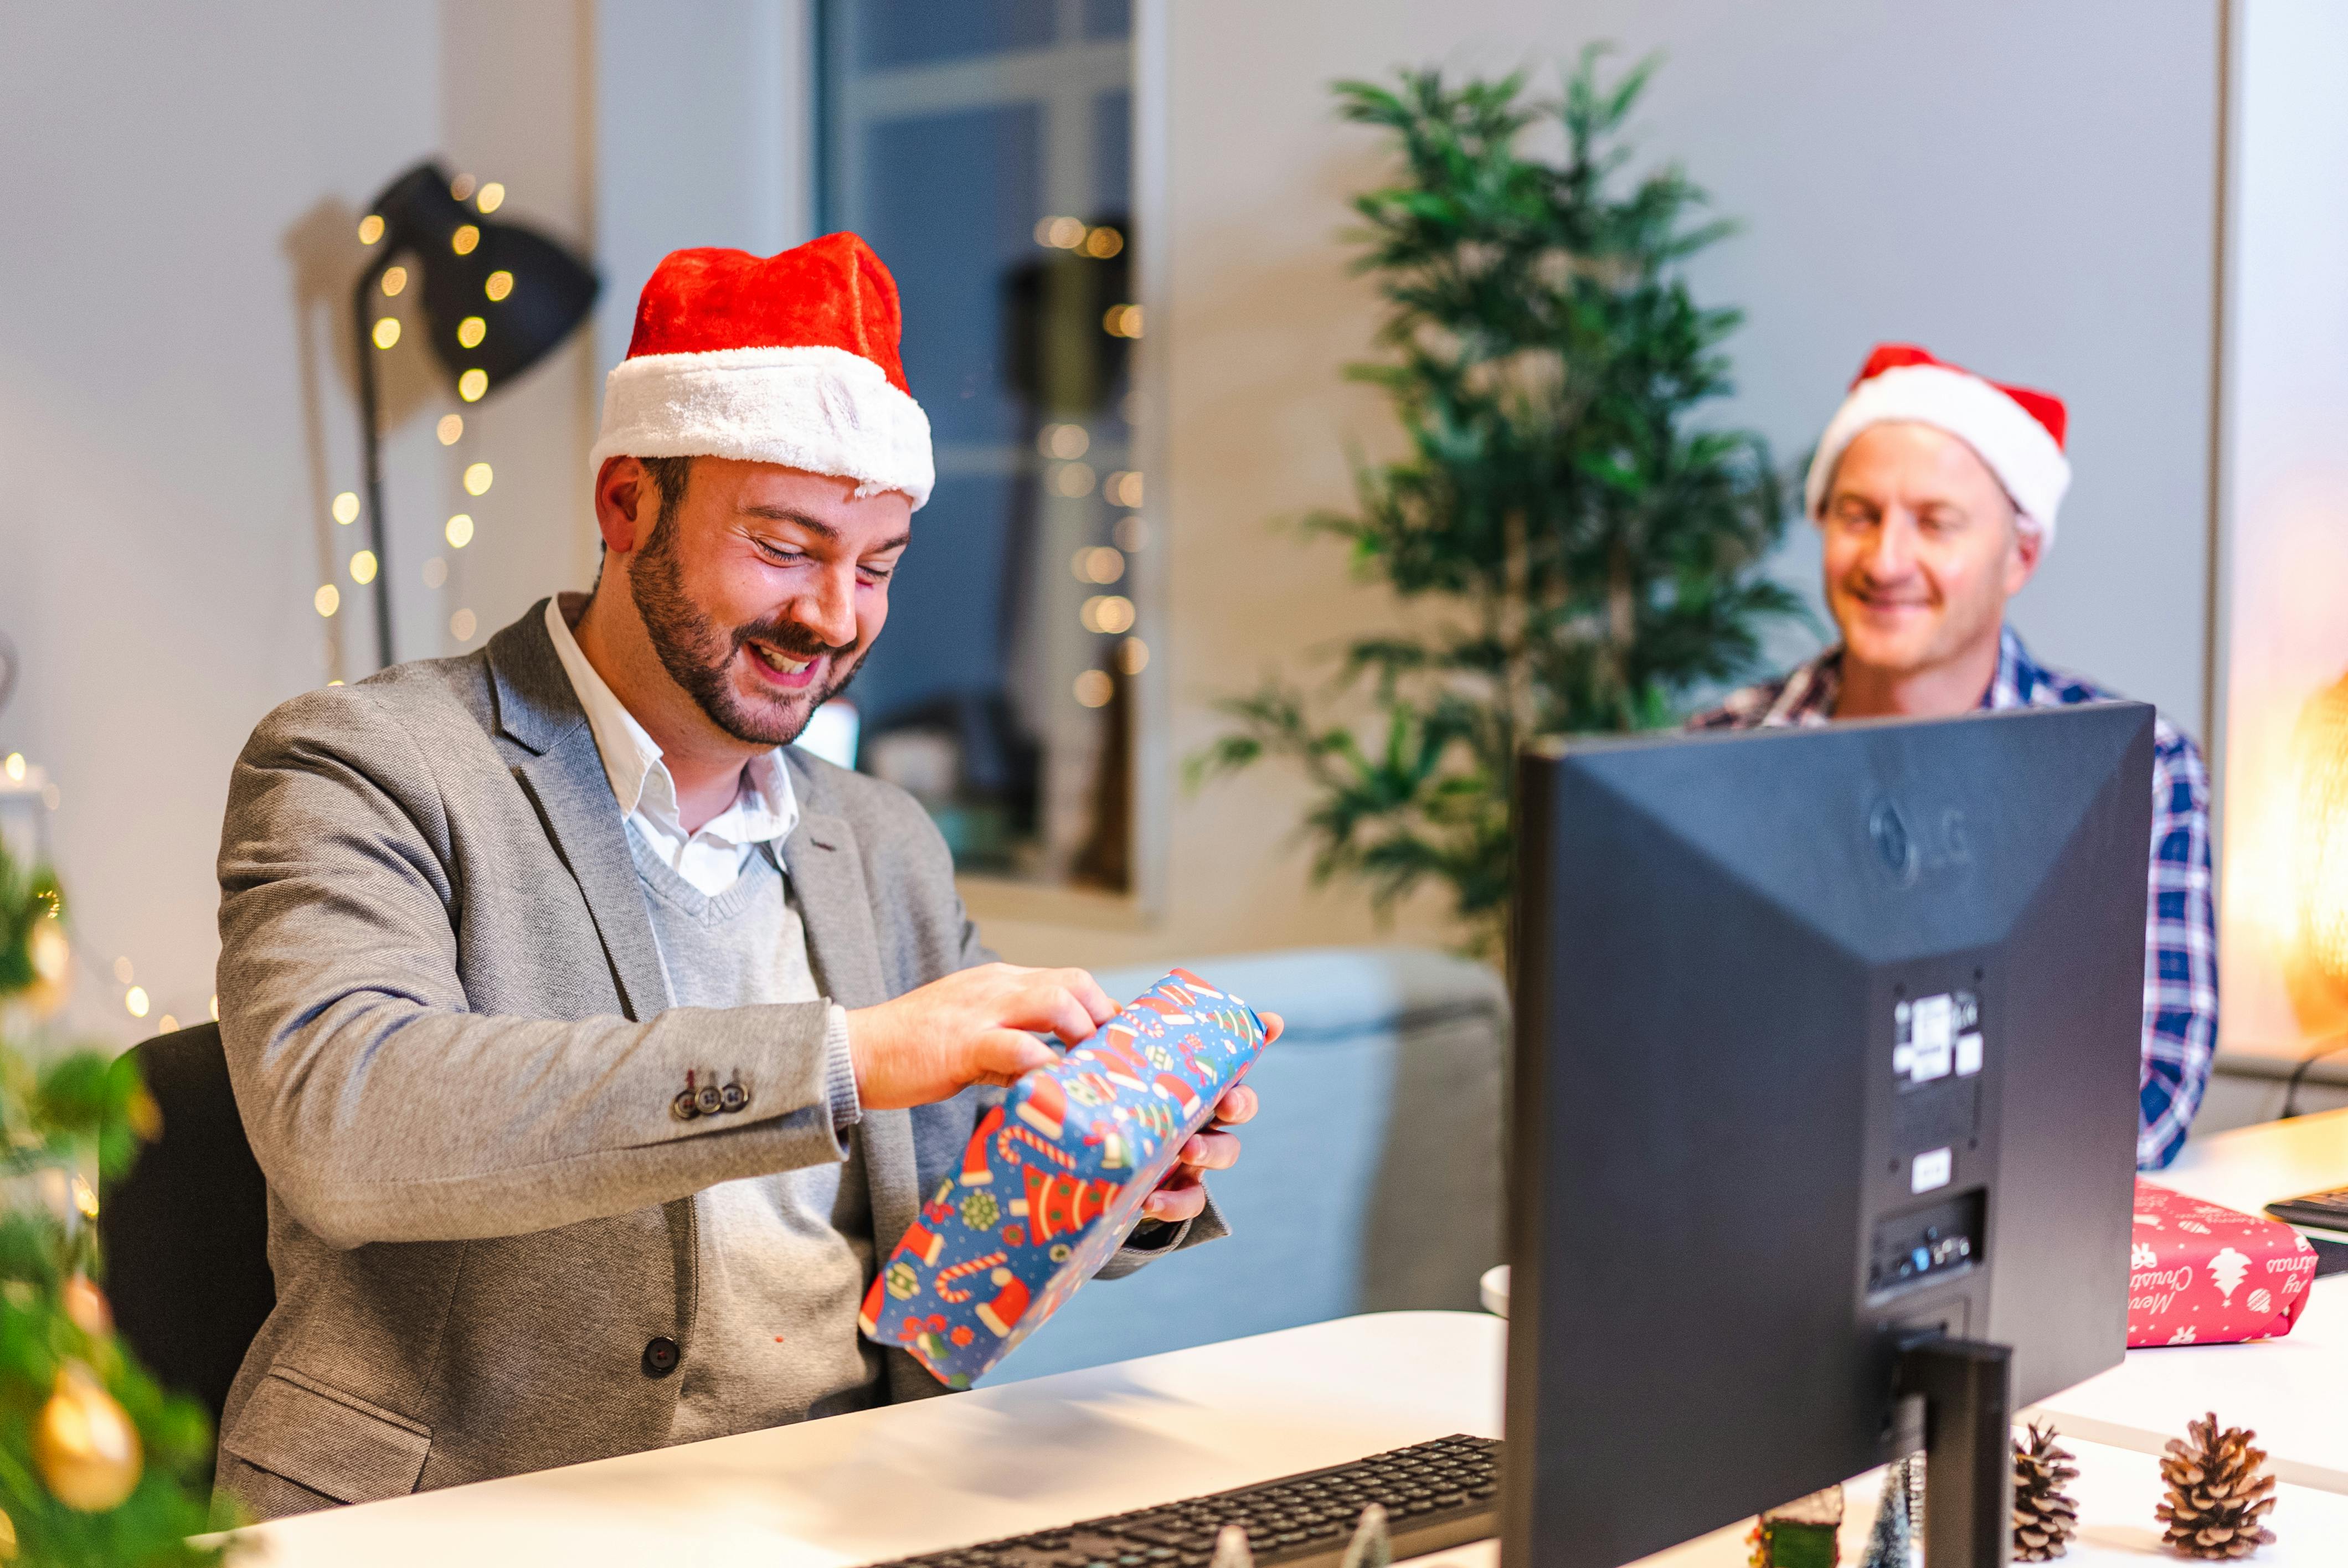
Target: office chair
{"points": [[186, 1233]]}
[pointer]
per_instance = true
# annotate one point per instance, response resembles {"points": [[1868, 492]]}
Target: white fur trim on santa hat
{"points": [[2017, 448], [823, 410]]}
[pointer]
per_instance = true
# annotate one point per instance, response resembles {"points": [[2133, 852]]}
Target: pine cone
{"points": [[2044, 1520], [2216, 1494]]}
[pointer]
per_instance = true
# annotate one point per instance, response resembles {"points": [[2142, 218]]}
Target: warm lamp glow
{"points": [[472, 384], [363, 567], [499, 284], [471, 331], [2319, 751], [1093, 688], [478, 478], [1108, 612], [492, 196], [346, 506], [466, 236], [459, 531], [394, 279], [327, 599], [1098, 563], [370, 228], [451, 428], [462, 625], [387, 330]]}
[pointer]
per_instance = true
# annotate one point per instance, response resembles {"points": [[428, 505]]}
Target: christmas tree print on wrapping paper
{"points": [[1051, 1180], [2199, 1274]]}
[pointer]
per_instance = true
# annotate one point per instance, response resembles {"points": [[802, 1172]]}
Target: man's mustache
{"points": [[792, 637]]}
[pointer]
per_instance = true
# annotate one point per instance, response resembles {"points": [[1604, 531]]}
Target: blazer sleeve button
{"points": [[684, 1107], [733, 1097], [709, 1101], [661, 1356]]}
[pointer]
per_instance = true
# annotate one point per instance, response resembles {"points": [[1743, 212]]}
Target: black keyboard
{"points": [[1436, 1495], [2324, 1210]]}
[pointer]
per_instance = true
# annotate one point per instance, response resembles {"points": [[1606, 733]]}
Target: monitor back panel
{"points": [[1824, 1039]]}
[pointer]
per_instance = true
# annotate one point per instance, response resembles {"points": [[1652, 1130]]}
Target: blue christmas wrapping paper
{"points": [[1054, 1178]]}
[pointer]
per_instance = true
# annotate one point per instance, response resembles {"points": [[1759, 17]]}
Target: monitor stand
{"points": [[1960, 1392]]}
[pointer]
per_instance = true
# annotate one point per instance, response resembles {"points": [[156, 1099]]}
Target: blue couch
{"points": [[1369, 1182]]}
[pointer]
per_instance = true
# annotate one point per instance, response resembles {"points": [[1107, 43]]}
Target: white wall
{"points": [[701, 140], [2286, 492], [182, 185], [2027, 188]]}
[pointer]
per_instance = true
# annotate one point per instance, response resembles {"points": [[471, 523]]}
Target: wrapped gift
{"points": [[2202, 1275], [1054, 1178]]}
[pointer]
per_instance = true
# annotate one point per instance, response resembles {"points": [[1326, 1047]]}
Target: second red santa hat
{"points": [[789, 359], [2014, 430]]}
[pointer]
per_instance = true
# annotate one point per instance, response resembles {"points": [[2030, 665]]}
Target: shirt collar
{"points": [[2015, 685], [768, 807], [1809, 693]]}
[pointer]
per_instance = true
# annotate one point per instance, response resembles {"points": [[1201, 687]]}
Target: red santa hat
{"points": [[788, 359], [2014, 430]]}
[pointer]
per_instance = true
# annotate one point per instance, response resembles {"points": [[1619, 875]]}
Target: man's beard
{"points": [[698, 654]]}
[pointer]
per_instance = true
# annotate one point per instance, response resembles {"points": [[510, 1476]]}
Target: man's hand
{"points": [[975, 1026], [1183, 1194]]}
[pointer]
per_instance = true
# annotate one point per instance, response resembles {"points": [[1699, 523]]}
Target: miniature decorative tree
{"points": [[1574, 552], [98, 1467]]}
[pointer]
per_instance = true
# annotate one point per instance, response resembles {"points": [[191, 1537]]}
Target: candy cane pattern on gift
{"points": [[1054, 1176], [1017, 1135], [963, 1270]]}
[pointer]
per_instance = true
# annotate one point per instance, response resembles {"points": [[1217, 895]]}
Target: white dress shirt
{"points": [[767, 808]]}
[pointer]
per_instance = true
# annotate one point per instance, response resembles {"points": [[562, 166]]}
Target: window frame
{"points": [[1151, 761]]}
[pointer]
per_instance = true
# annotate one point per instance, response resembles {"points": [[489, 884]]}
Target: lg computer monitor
{"points": [[1826, 1047]]}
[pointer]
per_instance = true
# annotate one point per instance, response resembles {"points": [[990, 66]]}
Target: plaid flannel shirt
{"points": [[2180, 936]]}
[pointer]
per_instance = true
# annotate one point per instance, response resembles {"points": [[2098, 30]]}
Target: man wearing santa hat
{"points": [[1935, 492], [592, 1039]]}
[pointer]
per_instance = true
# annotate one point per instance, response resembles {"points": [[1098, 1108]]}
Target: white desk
{"points": [[2292, 1392], [938, 1473], [1001, 1460]]}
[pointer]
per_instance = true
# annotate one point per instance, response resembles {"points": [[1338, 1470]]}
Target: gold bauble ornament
{"points": [[86, 1306], [52, 959], [84, 1443]]}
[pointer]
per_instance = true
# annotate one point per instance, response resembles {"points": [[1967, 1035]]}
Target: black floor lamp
{"points": [[498, 297]]}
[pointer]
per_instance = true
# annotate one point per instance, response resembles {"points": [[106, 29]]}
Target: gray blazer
{"points": [[455, 1057]]}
